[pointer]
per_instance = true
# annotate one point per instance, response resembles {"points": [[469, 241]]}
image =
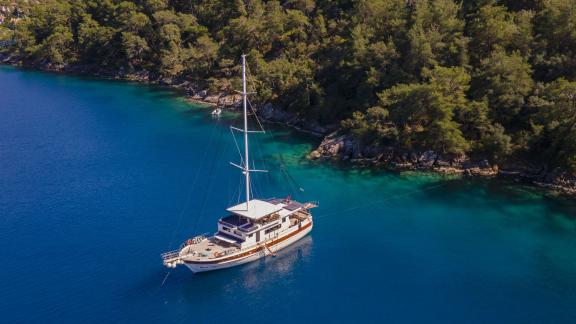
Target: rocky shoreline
{"points": [[342, 147], [338, 146]]}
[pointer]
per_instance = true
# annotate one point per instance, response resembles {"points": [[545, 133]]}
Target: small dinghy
{"points": [[216, 112]]}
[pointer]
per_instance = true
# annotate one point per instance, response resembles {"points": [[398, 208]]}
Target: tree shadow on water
{"points": [[518, 205]]}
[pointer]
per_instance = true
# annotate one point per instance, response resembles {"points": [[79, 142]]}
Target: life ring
{"points": [[189, 242]]}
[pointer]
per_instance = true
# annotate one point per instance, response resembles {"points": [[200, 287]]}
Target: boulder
{"points": [[440, 162], [334, 145], [234, 100], [211, 99], [427, 159], [314, 155], [460, 161]]}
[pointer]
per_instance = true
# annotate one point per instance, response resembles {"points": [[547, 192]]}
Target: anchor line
{"points": [[165, 278]]}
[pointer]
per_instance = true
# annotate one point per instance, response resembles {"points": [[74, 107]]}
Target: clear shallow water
{"points": [[97, 178]]}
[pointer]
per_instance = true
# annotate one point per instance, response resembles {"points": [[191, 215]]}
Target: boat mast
{"points": [[246, 163]]}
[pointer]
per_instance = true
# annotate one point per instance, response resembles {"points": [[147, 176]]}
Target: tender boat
{"points": [[216, 112], [252, 229]]}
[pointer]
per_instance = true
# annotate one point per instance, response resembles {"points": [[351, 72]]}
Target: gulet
{"points": [[252, 229]]}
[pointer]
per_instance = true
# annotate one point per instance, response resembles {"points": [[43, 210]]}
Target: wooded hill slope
{"points": [[485, 77]]}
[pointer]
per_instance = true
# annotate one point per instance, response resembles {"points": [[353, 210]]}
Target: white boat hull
{"points": [[200, 267]]}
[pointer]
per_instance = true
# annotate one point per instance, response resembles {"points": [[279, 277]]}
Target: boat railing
{"points": [[229, 251], [194, 240], [225, 223], [171, 255]]}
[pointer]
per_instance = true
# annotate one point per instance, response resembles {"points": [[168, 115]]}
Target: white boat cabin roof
{"points": [[256, 209]]}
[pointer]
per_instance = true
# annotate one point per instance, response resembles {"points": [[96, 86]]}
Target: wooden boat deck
{"points": [[210, 248]]}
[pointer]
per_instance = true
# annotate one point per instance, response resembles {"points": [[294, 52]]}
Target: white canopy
{"points": [[256, 209]]}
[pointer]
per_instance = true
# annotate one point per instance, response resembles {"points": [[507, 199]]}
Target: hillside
{"points": [[487, 79]]}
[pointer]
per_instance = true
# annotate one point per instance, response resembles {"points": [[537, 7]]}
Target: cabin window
{"points": [[226, 229], [250, 235], [271, 229], [284, 220]]}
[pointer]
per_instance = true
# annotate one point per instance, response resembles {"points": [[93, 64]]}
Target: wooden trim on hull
{"points": [[255, 250]]}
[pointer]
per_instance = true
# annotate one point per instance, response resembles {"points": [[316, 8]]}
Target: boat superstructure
{"points": [[253, 229]]}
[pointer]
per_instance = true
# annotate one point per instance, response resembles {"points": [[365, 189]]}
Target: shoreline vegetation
{"points": [[478, 88]]}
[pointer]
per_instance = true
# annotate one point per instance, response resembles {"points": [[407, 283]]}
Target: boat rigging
{"points": [[253, 229]]}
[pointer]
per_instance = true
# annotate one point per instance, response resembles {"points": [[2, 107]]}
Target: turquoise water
{"points": [[97, 178]]}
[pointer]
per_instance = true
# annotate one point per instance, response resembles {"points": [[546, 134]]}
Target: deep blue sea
{"points": [[97, 178]]}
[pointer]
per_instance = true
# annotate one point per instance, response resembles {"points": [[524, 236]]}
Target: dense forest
{"points": [[481, 77]]}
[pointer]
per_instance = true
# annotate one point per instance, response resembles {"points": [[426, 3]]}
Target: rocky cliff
{"points": [[344, 147]]}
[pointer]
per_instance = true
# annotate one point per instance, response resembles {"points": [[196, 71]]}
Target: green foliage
{"points": [[479, 76], [57, 47], [372, 127], [436, 35], [425, 111], [5, 34], [495, 27], [555, 30], [496, 143], [556, 114], [94, 40], [505, 79], [134, 46]]}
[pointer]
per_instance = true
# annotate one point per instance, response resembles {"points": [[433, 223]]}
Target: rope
{"points": [[291, 181], [239, 189], [251, 79], [237, 146], [253, 189], [190, 191], [255, 115], [165, 278], [235, 122], [210, 176], [264, 164]]}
